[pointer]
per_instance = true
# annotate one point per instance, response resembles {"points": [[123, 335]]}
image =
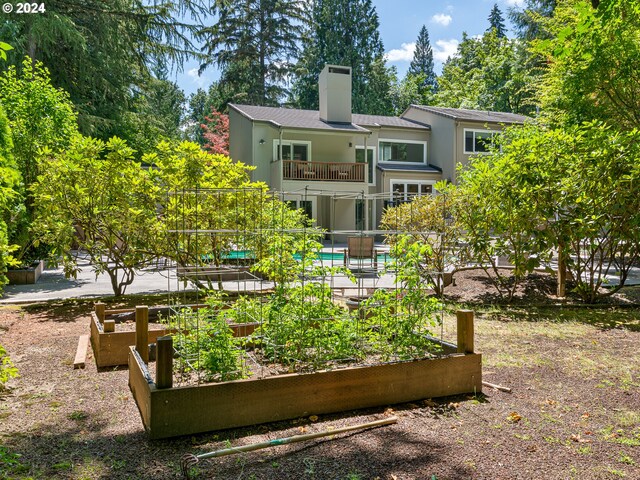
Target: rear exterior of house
{"points": [[318, 157]]}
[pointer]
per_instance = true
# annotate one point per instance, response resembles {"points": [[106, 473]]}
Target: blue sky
{"points": [[400, 22]]}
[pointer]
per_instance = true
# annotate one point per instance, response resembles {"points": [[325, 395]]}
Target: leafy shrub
{"points": [[7, 370]]}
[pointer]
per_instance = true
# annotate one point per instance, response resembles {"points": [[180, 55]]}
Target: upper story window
{"points": [[293, 150], [403, 151], [478, 141]]}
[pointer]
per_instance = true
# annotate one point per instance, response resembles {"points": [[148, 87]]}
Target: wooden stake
{"points": [[100, 308], [164, 362], [109, 326], [562, 272], [295, 439], [465, 331], [81, 352], [142, 332], [497, 387]]}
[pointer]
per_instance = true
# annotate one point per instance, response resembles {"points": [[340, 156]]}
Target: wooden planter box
{"points": [[26, 276], [169, 412], [111, 348]]}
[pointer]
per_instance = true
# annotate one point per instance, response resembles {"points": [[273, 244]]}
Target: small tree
{"points": [[97, 197], [216, 133], [428, 220], [40, 116], [9, 183]]}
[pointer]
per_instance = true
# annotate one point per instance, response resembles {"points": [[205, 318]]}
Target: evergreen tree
{"points": [[528, 22], [496, 21], [422, 63], [253, 43], [101, 52], [345, 32]]}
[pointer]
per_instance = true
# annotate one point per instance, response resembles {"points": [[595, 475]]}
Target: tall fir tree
{"points": [[422, 63], [528, 22], [345, 32], [254, 42], [496, 21]]}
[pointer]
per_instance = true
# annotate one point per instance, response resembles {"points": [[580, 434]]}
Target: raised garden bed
{"points": [[26, 276], [113, 332], [169, 411]]}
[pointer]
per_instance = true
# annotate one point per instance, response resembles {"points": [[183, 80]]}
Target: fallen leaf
{"points": [[579, 439], [514, 417], [585, 415], [388, 412], [313, 418], [430, 403], [302, 429]]}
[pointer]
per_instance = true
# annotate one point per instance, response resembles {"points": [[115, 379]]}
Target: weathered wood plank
{"points": [[188, 410], [81, 352]]}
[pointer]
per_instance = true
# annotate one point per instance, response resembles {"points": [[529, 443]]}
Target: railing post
{"points": [[164, 362], [465, 331], [99, 308], [109, 326], [142, 332]]}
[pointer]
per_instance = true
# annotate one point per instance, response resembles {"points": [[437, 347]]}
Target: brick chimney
{"points": [[335, 94]]}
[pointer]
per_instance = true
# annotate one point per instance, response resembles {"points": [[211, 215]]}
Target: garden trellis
{"points": [[307, 303], [289, 318]]}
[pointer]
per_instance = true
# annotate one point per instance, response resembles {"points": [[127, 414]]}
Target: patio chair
{"points": [[360, 248]]}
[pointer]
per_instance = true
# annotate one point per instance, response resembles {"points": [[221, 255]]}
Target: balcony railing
{"points": [[323, 171]]}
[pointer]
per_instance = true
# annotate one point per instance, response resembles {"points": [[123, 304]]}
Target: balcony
{"points": [[323, 171]]}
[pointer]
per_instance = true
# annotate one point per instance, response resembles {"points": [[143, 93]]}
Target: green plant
{"points": [[7, 369], [10, 463]]}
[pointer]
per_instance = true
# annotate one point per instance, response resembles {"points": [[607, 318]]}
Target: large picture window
{"points": [[405, 190], [478, 141], [404, 152]]}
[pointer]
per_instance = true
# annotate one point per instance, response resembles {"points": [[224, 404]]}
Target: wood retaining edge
{"points": [[188, 410]]}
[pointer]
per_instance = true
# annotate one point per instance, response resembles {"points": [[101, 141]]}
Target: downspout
{"points": [[455, 153]]}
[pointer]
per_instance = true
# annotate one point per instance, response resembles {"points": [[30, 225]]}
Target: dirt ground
{"points": [[574, 410]]}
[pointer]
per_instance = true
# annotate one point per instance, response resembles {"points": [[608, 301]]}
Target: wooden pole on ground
{"points": [[142, 332], [465, 331], [164, 362], [100, 307]]}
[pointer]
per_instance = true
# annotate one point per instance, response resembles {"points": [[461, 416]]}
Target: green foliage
{"points": [[7, 370], [431, 217], [39, 117], [9, 185], [543, 189], [97, 197], [4, 48], [253, 46], [489, 73], [102, 53], [345, 32], [496, 22], [593, 58]]}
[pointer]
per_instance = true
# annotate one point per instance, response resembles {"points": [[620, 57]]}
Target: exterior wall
{"points": [[240, 138], [443, 140], [461, 157]]}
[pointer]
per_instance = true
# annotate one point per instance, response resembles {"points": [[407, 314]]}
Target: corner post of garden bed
{"points": [[164, 362], [100, 311], [465, 331], [142, 332]]}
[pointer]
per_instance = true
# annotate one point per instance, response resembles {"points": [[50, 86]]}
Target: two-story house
{"points": [[342, 168]]}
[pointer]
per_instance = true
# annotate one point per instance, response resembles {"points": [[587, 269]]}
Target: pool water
{"points": [[325, 256]]}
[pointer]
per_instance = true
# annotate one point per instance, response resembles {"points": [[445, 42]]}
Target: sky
{"points": [[400, 23]]}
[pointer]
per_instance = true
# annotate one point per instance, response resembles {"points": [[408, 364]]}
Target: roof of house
{"points": [[310, 119], [484, 116], [405, 167]]}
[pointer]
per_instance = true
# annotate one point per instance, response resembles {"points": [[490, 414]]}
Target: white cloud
{"points": [[199, 80], [402, 54], [442, 19], [515, 3], [445, 49]]}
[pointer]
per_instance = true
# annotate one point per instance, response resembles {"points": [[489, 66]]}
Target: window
{"points": [[360, 159], [405, 152], [305, 205], [404, 191], [478, 141], [292, 150]]}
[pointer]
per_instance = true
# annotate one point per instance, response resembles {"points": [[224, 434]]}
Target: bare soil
{"points": [[574, 410]]}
